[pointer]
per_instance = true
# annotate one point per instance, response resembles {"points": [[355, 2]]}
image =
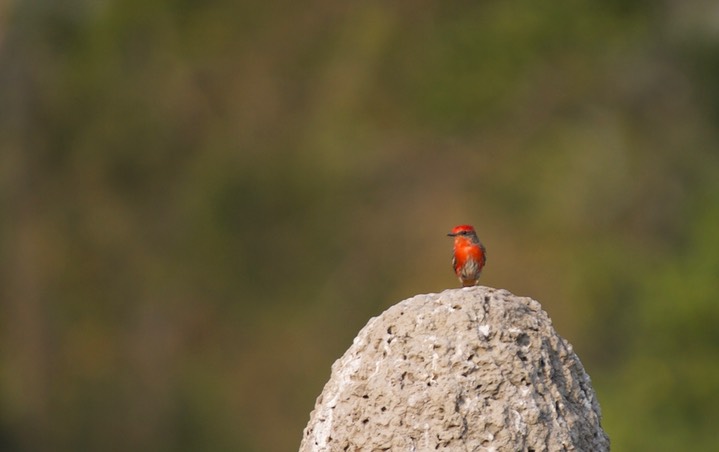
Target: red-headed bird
{"points": [[469, 255]]}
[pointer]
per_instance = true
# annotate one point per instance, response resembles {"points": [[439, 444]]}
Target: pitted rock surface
{"points": [[473, 369]]}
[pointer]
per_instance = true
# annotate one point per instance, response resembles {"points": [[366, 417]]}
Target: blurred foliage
{"points": [[203, 202]]}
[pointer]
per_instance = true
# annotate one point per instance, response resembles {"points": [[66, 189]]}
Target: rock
{"points": [[473, 369]]}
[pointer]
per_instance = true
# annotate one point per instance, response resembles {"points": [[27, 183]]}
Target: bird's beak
{"points": [[451, 234]]}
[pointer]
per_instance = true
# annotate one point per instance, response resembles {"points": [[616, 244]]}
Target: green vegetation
{"points": [[203, 202]]}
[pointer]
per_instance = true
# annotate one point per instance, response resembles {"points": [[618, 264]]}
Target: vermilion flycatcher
{"points": [[469, 254]]}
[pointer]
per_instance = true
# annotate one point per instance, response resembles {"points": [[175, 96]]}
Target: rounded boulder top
{"points": [[466, 369]]}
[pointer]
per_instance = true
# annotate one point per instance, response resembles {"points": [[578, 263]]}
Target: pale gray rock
{"points": [[472, 369]]}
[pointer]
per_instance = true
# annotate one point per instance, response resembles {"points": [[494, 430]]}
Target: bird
{"points": [[468, 256]]}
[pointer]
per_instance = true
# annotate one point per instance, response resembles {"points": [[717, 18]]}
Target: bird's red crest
{"points": [[463, 228]]}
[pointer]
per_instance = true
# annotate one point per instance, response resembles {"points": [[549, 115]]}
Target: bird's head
{"points": [[463, 230]]}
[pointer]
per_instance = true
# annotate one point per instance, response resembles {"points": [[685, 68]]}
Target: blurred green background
{"points": [[203, 202]]}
